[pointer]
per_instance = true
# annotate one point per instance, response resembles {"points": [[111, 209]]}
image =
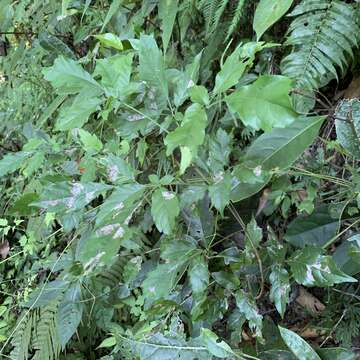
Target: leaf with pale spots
{"points": [[280, 288], [310, 268], [164, 210]]}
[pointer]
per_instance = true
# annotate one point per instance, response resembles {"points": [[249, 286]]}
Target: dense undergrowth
{"points": [[179, 179]]}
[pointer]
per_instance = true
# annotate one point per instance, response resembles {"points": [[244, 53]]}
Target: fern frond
{"points": [[22, 337], [322, 36], [46, 341], [238, 13]]}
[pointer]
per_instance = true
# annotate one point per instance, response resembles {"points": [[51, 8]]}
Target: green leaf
{"points": [[297, 345], [90, 141], [312, 230], [21, 205], [152, 66], [220, 191], [249, 311], [199, 275], [242, 190], [108, 342], [264, 104], [12, 162], [66, 197], [281, 147], [159, 282], [267, 13], [68, 77], [337, 354], [34, 163], [348, 126], [164, 210], [110, 40], [120, 205], [115, 72], [118, 169], [54, 45], [235, 65], [69, 314], [190, 134], [167, 14], [114, 7], [219, 151], [200, 95], [186, 81], [310, 268], [77, 114], [280, 288], [217, 348]]}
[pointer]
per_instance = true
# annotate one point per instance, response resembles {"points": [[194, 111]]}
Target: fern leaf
{"points": [[322, 36], [45, 339], [235, 18], [22, 337]]}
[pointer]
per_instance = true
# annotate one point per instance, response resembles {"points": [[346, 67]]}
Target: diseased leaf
{"points": [[297, 345], [152, 66], [249, 311], [65, 197], [267, 13], [265, 104], [164, 210], [310, 268], [68, 77], [120, 205], [280, 288], [219, 192]]}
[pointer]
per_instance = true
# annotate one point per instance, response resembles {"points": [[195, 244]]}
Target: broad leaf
{"points": [[91, 142], [69, 314], [280, 288], [120, 205], [115, 74], [264, 104], [219, 151], [68, 77], [310, 268], [152, 66], [164, 210], [297, 345], [12, 162], [312, 230], [167, 13], [110, 40], [281, 147], [217, 348], [347, 255], [220, 191], [77, 114], [65, 197], [189, 135], [199, 275], [235, 65], [267, 13], [249, 311]]}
